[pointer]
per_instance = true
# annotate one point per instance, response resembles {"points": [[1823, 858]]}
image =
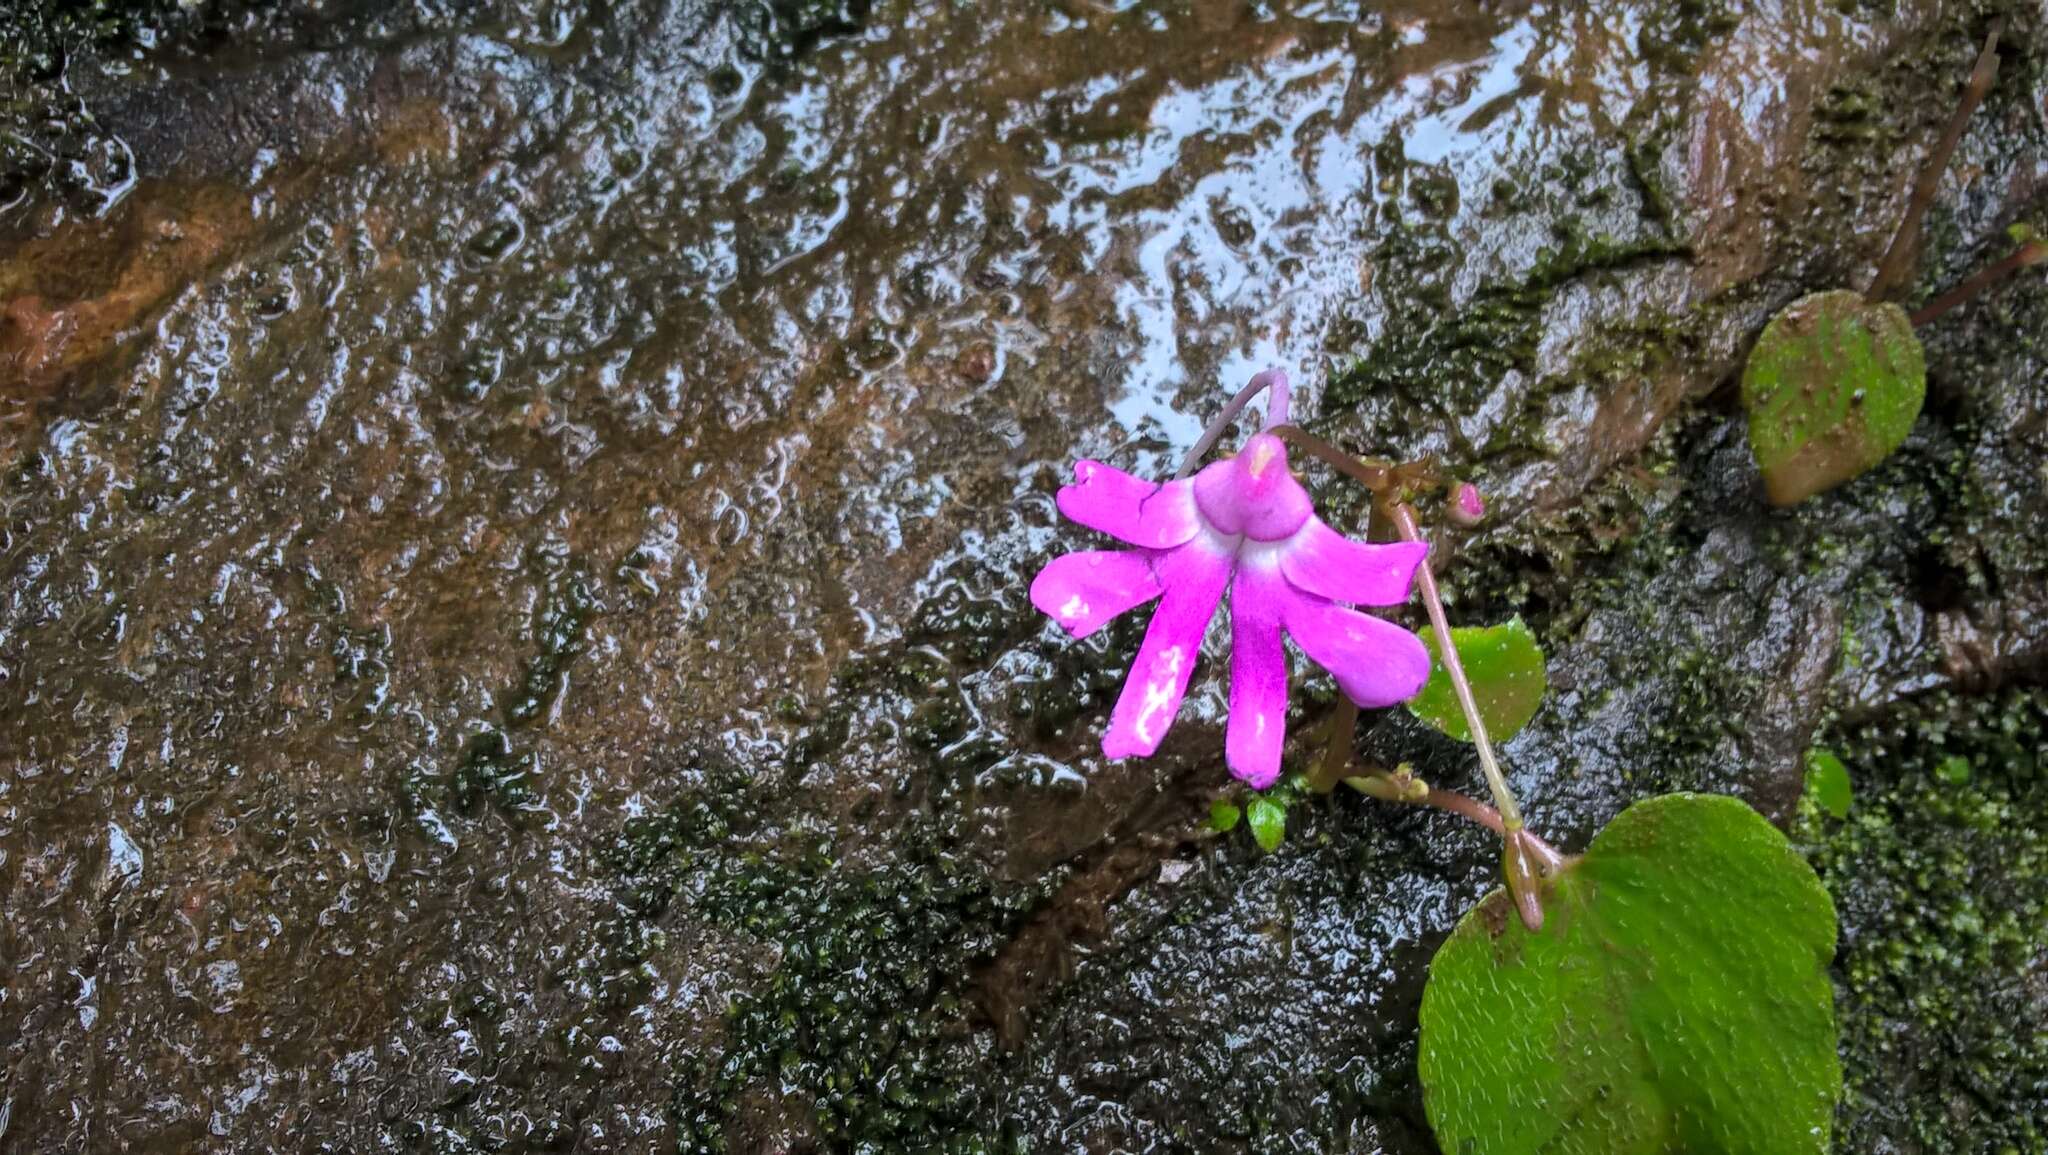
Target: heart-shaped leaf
{"points": [[1677, 999], [1833, 386], [1504, 666]]}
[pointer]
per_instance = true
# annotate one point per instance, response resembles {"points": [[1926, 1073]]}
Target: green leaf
{"points": [[1677, 999], [1504, 666], [1954, 770], [1268, 821], [1833, 386], [1223, 816], [1827, 780]]}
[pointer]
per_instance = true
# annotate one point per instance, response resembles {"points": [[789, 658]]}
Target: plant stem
{"points": [[1337, 754], [1465, 806], [2031, 253], [1525, 858], [1425, 581], [1276, 414], [1378, 479], [1373, 477], [1892, 269], [1399, 786], [1547, 855]]}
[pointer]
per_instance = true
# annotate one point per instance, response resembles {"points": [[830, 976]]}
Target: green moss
{"points": [[492, 770], [1987, 536], [1942, 887], [853, 1033], [802, 23], [855, 1028], [937, 722], [1443, 359], [1659, 203], [1672, 38], [51, 146], [1850, 115], [965, 627], [361, 653], [497, 764], [821, 738], [38, 34], [568, 602]]}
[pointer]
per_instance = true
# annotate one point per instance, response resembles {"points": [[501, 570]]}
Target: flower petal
{"points": [[1083, 591], [1258, 676], [1377, 663], [1322, 561], [1253, 493], [1194, 576], [1130, 508]]}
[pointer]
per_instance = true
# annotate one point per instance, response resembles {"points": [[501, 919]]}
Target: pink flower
{"points": [[1243, 523]]}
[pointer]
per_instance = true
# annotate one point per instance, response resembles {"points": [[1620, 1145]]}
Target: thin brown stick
{"points": [[1337, 754], [1897, 259], [2031, 253]]}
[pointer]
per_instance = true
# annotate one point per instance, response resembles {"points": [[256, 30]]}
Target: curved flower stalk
{"points": [[1243, 524]]}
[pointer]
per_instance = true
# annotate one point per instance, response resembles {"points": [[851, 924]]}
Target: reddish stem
{"points": [[1276, 414], [1466, 807], [1373, 477], [1899, 257], [1522, 847], [1547, 858], [1454, 668], [2031, 253]]}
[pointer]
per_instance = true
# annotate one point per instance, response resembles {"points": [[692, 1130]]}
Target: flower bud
{"points": [[1466, 507]]}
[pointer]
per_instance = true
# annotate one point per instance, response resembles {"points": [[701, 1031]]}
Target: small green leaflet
{"points": [[1224, 816], [1832, 388], [1268, 820], [1505, 668], [1954, 770], [1677, 999], [1827, 782]]}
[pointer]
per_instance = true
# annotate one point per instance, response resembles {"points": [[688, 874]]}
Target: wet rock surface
{"points": [[517, 519]]}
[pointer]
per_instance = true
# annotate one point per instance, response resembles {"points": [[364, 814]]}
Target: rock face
{"points": [[517, 516]]}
